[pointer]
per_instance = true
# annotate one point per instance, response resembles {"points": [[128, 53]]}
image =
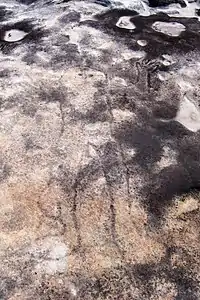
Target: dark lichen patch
{"points": [[9, 102], [143, 281], [144, 140], [46, 291], [30, 58], [177, 179], [170, 130], [148, 145], [7, 286], [169, 93], [148, 139], [4, 73], [99, 110], [71, 17], [158, 3], [110, 160], [5, 171], [88, 174], [99, 63], [61, 41], [165, 110], [71, 183], [27, 2], [185, 42], [198, 12], [171, 181], [68, 54], [111, 17], [126, 70], [189, 149], [98, 113], [105, 3], [112, 284], [158, 43], [190, 159], [57, 94], [151, 275], [30, 145], [122, 99], [69, 49], [4, 13]]}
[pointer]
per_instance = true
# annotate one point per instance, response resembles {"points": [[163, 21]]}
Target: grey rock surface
{"points": [[99, 150]]}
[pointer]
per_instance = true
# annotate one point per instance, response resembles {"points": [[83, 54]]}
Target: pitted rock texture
{"points": [[99, 150]]}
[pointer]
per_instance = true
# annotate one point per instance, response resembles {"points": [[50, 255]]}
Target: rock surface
{"points": [[99, 150]]}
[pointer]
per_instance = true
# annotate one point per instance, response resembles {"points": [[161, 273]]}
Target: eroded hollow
{"points": [[169, 28], [14, 35], [125, 22]]}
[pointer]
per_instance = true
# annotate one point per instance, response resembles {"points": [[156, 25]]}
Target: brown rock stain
{"points": [[23, 219], [138, 245]]}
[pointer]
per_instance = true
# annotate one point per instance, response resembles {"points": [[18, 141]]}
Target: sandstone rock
{"points": [[188, 205], [99, 137]]}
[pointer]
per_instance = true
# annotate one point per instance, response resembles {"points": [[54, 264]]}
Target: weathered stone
{"points": [[99, 151]]}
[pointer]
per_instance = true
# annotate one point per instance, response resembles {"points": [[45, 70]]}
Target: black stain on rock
{"points": [[186, 285], [160, 3], [4, 13], [170, 131], [47, 292], [148, 138], [171, 181], [178, 179], [158, 43], [53, 95], [4, 171], [198, 12], [4, 73], [61, 41], [109, 156], [144, 281], [164, 110], [148, 145], [189, 149], [28, 2], [144, 140], [7, 285], [111, 17], [80, 181], [70, 17], [123, 98], [30, 145], [189, 157], [97, 113], [68, 54], [105, 3]]}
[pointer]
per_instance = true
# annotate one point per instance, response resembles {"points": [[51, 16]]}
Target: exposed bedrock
{"points": [[99, 150]]}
